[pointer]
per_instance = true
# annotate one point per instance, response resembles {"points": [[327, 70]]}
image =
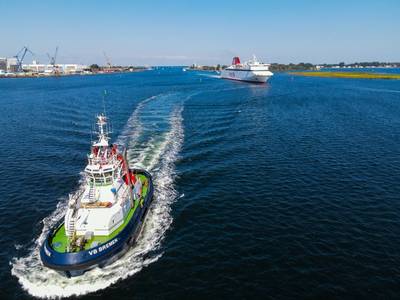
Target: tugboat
{"points": [[104, 217], [250, 71]]}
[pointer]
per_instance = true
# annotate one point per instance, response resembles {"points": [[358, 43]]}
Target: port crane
{"points": [[108, 61], [53, 58], [20, 57], [52, 61]]}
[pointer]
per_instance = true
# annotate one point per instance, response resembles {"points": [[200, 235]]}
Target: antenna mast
{"points": [[104, 101]]}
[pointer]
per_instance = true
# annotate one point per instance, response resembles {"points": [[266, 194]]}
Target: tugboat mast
{"points": [[103, 130]]}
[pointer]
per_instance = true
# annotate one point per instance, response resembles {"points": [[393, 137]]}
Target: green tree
{"points": [[94, 67]]}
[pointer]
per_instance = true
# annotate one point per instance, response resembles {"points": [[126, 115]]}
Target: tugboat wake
{"points": [[158, 156]]}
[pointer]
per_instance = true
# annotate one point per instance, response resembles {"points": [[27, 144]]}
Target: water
{"points": [[284, 191]]}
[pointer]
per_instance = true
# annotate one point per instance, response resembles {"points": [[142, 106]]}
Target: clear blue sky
{"points": [[172, 32]]}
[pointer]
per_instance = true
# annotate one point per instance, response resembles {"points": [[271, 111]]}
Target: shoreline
{"points": [[31, 75], [354, 75]]}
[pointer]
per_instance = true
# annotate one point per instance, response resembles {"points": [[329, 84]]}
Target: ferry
{"points": [[250, 71], [104, 217]]}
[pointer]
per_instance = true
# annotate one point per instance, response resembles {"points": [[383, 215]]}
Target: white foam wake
{"points": [[378, 90], [215, 75], [133, 127], [158, 157]]}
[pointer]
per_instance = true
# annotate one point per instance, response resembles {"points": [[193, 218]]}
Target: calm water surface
{"points": [[285, 191]]}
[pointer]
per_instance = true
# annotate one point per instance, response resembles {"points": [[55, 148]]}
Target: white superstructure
{"points": [[102, 204], [252, 71]]}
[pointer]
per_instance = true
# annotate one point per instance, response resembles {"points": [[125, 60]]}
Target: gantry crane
{"points": [[108, 61], [20, 57], [52, 61]]}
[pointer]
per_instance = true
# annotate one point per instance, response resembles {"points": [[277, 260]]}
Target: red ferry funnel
{"points": [[236, 60]]}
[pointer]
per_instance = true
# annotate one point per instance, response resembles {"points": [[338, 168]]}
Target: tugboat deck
{"points": [[59, 241]]}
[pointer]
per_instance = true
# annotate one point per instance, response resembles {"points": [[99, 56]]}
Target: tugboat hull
{"points": [[76, 263]]}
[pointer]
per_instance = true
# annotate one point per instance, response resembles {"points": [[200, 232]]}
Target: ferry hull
{"points": [[76, 263], [248, 76]]}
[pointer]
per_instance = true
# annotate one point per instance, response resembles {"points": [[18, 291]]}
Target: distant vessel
{"points": [[251, 71], [104, 218]]}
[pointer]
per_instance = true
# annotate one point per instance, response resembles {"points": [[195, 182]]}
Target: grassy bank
{"points": [[360, 75]]}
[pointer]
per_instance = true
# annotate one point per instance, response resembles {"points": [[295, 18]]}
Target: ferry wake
{"points": [[103, 218]]}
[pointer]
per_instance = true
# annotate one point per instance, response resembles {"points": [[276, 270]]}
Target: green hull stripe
{"points": [[60, 239]]}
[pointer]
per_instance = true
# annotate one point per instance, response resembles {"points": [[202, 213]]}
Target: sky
{"points": [[178, 32]]}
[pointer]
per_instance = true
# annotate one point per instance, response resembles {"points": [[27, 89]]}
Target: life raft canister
{"points": [[95, 150], [132, 176], [114, 149]]}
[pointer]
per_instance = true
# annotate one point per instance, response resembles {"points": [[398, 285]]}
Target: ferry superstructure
{"points": [[250, 71], [104, 217]]}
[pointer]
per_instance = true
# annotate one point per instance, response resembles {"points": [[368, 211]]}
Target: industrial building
{"points": [[57, 68], [3, 65], [14, 66]]}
